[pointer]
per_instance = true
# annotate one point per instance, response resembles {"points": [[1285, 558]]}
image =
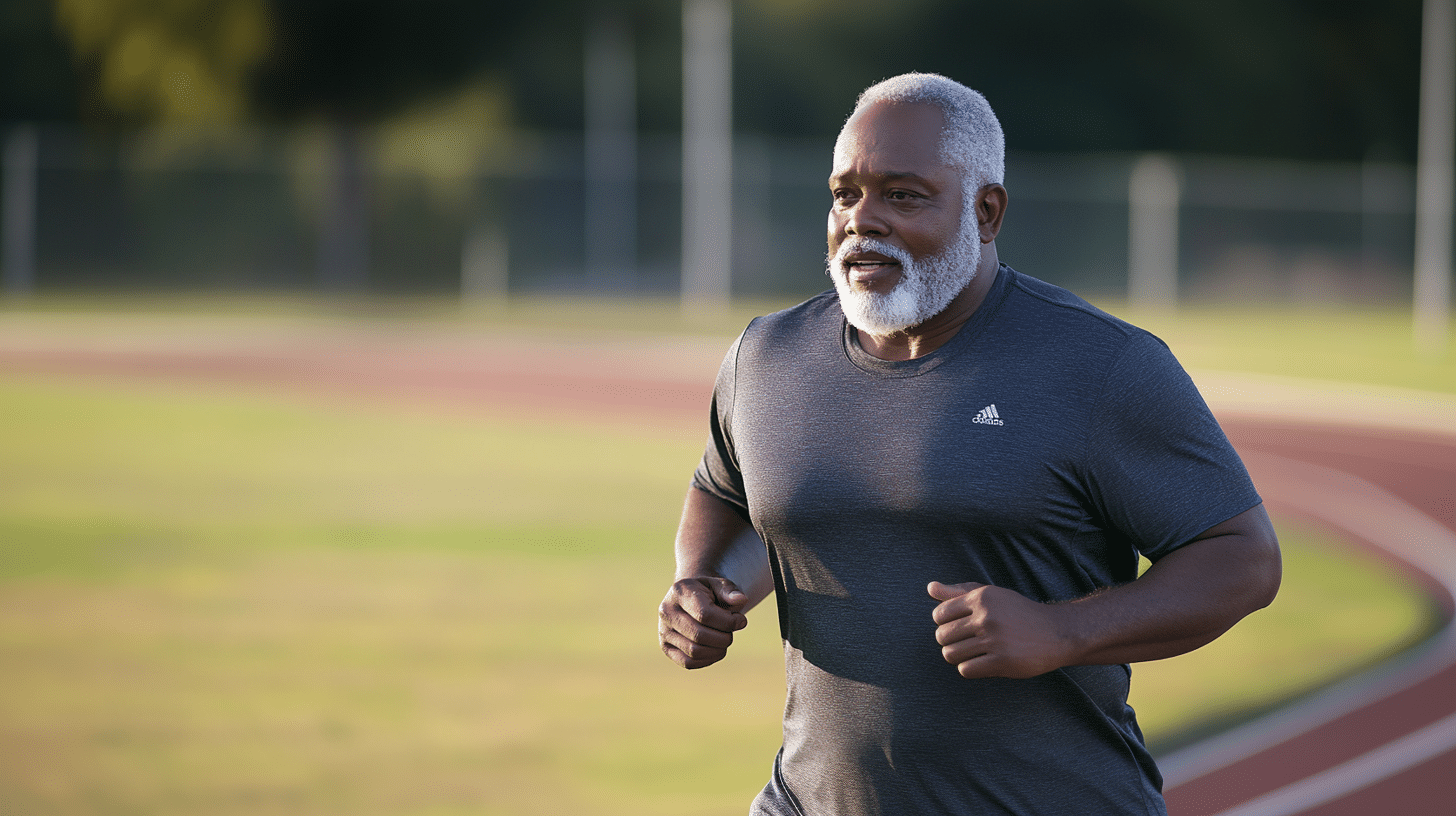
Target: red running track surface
{"points": [[1381, 743]]}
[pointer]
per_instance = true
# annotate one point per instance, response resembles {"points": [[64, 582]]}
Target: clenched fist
{"points": [[988, 631], [697, 619]]}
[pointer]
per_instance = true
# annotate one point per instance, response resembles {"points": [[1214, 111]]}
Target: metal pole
{"points": [[343, 252], [1432, 317], [1154, 190], [610, 256], [484, 264], [17, 233], [707, 155]]}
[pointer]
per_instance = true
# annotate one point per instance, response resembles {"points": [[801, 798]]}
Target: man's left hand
{"points": [[989, 631]]}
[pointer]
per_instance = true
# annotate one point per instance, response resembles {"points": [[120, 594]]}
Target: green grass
{"points": [[324, 680], [195, 455], [220, 601]]}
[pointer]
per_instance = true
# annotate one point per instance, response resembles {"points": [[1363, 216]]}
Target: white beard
{"points": [[924, 290]]}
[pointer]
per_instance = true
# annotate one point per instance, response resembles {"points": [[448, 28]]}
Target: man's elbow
{"points": [[1270, 572], [1263, 567], [1251, 550]]}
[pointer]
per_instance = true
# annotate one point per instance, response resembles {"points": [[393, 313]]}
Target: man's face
{"points": [[897, 251]]}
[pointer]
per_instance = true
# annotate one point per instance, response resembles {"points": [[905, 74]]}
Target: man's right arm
{"points": [[722, 572]]}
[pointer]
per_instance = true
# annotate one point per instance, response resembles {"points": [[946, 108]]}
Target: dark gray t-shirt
{"points": [[1041, 450]]}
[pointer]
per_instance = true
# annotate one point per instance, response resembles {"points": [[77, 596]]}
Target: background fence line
{"points": [[253, 211]]}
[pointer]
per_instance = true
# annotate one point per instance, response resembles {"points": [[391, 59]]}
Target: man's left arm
{"points": [[1184, 600]]}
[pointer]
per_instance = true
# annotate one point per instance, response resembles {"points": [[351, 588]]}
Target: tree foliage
{"points": [[37, 80], [171, 60], [1300, 79], [221, 61], [1304, 79], [363, 59]]}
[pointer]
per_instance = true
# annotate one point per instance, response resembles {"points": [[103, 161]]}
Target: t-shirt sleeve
{"points": [[718, 473], [1159, 468]]}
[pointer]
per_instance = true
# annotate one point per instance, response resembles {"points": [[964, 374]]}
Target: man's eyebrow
{"points": [[888, 175]]}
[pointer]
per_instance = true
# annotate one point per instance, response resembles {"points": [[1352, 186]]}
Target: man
{"points": [[954, 467]]}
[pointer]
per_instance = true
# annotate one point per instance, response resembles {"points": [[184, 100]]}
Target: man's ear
{"points": [[990, 209]]}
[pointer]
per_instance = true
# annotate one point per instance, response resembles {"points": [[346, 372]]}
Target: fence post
{"points": [[611, 153], [1434, 166], [1153, 192], [484, 264], [707, 155], [343, 248], [17, 210]]}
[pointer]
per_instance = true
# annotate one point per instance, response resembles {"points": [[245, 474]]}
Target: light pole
{"points": [[17, 212], [707, 155], [1432, 307]]}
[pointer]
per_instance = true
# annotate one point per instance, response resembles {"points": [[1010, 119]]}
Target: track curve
{"points": [[1381, 742]]}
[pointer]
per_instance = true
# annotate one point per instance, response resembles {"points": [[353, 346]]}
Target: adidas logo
{"points": [[989, 416]]}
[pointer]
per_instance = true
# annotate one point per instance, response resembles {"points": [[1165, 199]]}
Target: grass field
{"points": [[222, 601]]}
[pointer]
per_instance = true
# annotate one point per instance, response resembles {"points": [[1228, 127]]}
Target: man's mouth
{"points": [[868, 267], [871, 265]]}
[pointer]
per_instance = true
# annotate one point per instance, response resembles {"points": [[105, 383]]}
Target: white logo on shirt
{"points": [[989, 416]]}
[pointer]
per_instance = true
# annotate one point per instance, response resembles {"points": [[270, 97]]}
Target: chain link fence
{"points": [[261, 211]]}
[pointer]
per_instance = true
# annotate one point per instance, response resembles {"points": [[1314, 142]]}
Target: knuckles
{"points": [[681, 635]]}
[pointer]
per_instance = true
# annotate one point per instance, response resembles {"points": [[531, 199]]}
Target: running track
{"points": [[1378, 467], [1383, 742]]}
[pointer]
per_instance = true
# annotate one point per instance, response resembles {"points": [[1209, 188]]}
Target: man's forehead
{"points": [[907, 134]]}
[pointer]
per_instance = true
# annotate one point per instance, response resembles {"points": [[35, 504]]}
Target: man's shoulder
{"points": [[1048, 299], [1059, 312]]}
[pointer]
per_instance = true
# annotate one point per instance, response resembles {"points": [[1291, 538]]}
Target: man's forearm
{"points": [[1185, 600], [712, 539]]}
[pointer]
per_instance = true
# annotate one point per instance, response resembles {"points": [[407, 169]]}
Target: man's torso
{"points": [[980, 462]]}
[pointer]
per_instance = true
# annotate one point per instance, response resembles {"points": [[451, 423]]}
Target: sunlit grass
{"points": [[220, 602], [327, 680], [191, 455]]}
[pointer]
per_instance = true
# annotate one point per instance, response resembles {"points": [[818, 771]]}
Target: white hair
{"points": [[972, 139]]}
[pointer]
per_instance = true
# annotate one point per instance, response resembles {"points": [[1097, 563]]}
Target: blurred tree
{"points": [[37, 80], [544, 60], [169, 60], [345, 63], [1316, 79], [197, 61], [1299, 79], [361, 60], [351, 62]]}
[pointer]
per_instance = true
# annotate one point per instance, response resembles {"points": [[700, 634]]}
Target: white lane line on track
{"points": [[1374, 515], [1382, 763]]}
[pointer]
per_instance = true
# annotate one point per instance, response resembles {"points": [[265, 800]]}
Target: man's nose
{"points": [[863, 218]]}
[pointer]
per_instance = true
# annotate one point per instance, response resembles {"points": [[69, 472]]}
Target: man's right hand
{"points": [[697, 619]]}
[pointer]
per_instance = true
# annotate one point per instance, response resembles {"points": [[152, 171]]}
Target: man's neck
{"points": [[918, 341]]}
